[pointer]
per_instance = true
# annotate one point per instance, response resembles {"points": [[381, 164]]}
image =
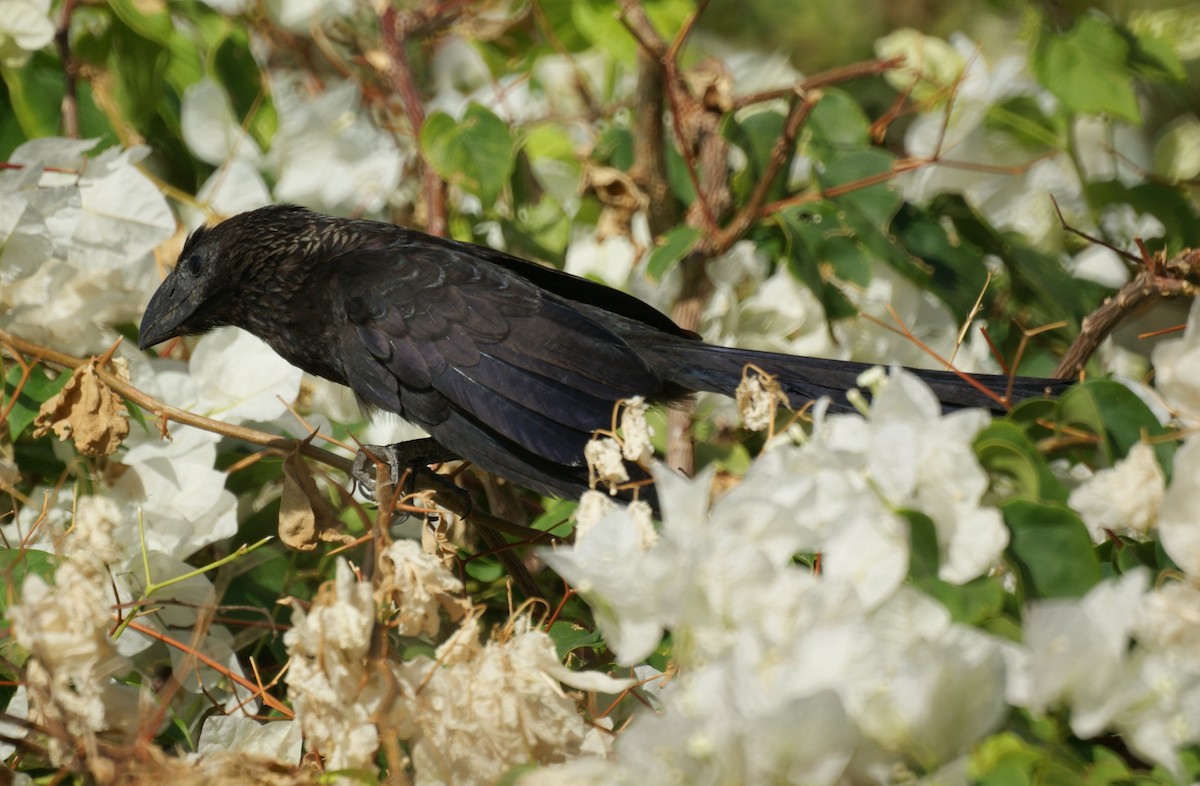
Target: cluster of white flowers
{"points": [[468, 713]]}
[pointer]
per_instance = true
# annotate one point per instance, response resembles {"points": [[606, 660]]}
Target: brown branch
{"points": [[649, 147], [1159, 277], [70, 100], [833, 76], [753, 210], [396, 30]]}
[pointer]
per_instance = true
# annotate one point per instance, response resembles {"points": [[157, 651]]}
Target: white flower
{"points": [[916, 457], [483, 709], [180, 495], [25, 27], [605, 463], [635, 431], [1078, 649], [1177, 370], [210, 129], [1123, 499], [233, 376], [606, 567], [68, 677], [420, 586], [335, 696], [326, 154], [239, 735], [1178, 523], [77, 243], [301, 16]]}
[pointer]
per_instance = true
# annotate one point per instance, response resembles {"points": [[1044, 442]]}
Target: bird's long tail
{"points": [[698, 366]]}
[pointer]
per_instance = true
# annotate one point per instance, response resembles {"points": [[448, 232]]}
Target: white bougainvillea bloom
{"points": [[238, 735], [1078, 648], [336, 696], [234, 377], [1123, 499], [210, 129], [482, 709], [326, 153], [1178, 525], [605, 567], [1177, 370], [419, 587], [64, 626], [605, 463], [181, 497], [25, 27], [635, 431], [76, 243], [916, 457]]}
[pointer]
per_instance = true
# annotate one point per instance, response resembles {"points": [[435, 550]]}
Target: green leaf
{"points": [[1115, 414], [1022, 118], [38, 389], [485, 570], [1049, 293], [1169, 205], [16, 564], [973, 603], [1155, 58], [476, 153], [837, 126], [869, 207], [670, 248], [950, 268], [1005, 451], [568, 637], [819, 253], [599, 22], [150, 21], [923, 554], [235, 68], [35, 92], [556, 517], [1088, 69], [540, 231], [1050, 549], [755, 135]]}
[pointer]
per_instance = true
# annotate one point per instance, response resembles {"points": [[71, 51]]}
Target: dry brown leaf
{"points": [[620, 197], [305, 516], [87, 411]]}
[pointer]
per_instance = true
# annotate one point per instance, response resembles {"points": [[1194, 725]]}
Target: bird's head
{"points": [[209, 286]]}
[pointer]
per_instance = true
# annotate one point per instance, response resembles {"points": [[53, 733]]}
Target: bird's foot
{"points": [[411, 457]]}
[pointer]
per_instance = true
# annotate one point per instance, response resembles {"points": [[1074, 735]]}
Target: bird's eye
{"points": [[193, 264]]}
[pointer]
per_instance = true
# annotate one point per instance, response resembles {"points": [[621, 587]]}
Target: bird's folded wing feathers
{"points": [[518, 360]]}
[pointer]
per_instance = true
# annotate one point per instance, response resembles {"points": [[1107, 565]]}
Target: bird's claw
{"points": [[402, 458], [363, 471]]}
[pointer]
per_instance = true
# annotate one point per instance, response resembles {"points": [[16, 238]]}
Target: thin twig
{"points": [[70, 100]]}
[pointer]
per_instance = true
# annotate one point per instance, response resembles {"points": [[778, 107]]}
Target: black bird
{"points": [[506, 363]]}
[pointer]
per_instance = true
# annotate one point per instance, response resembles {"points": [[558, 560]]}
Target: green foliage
{"points": [[476, 153], [1050, 550]]}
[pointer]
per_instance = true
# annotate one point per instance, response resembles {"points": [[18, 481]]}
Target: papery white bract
{"points": [[1177, 370], [25, 27], [1124, 499], [335, 696], [326, 154], [181, 496], [77, 251]]}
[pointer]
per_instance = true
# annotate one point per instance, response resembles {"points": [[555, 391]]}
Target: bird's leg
{"points": [[414, 455]]}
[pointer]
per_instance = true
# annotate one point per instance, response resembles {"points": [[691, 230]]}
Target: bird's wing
{"points": [[432, 331]]}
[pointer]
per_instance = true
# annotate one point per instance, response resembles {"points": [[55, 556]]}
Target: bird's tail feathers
{"points": [[698, 366]]}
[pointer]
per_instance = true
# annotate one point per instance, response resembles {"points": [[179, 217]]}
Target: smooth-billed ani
{"points": [[506, 363]]}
